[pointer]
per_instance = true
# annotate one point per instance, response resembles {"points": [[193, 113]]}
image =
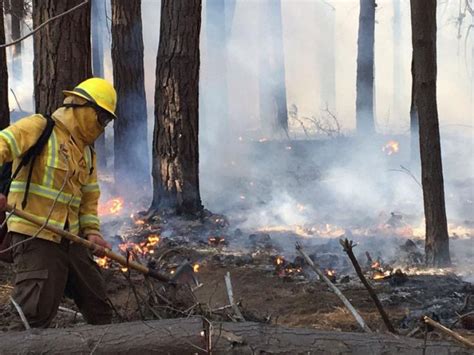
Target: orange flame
{"points": [[196, 267], [391, 147], [103, 262], [280, 260], [111, 207]]}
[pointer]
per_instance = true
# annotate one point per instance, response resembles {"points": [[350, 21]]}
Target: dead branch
{"points": [[21, 314], [185, 336], [449, 332], [347, 245], [230, 295], [343, 298], [44, 24]]}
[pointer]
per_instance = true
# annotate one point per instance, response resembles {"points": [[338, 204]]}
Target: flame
{"points": [[111, 207], [103, 262], [279, 260], [330, 272], [142, 248], [196, 267], [391, 147], [375, 265]]}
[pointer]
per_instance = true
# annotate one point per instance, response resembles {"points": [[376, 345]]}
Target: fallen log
{"points": [[188, 335]]}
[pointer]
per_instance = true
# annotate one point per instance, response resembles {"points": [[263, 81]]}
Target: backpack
{"points": [[6, 177]]}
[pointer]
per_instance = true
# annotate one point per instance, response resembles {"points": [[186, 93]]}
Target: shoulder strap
{"points": [[30, 155]]}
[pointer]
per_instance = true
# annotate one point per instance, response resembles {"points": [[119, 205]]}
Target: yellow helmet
{"points": [[98, 91]]}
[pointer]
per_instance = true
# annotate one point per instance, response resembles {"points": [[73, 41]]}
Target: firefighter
{"points": [[63, 191]]}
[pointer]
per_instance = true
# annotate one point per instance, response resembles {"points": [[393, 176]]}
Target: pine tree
{"points": [[62, 51], [175, 138], [423, 22], [130, 130]]}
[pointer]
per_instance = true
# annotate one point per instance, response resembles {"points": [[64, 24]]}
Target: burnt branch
{"points": [[347, 245]]}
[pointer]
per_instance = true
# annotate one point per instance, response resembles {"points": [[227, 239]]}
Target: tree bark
{"points": [[131, 165], [414, 126], [4, 108], [183, 336], [272, 86], [423, 21], [62, 51], [365, 69], [99, 20], [175, 138], [16, 16]]}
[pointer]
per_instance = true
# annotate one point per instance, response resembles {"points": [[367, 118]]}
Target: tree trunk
{"points": [[423, 21], [414, 129], [16, 16], [272, 86], [130, 129], [62, 51], [99, 20], [215, 121], [365, 69], [183, 336], [175, 138], [4, 108]]}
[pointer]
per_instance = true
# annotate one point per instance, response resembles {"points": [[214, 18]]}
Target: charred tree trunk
{"points": [[272, 86], [99, 19], [183, 336], [130, 130], [62, 51], [175, 138], [365, 69], [4, 108], [16, 15], [423, 21], [414, 129]]}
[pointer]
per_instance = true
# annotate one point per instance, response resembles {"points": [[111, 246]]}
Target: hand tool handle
{"points": [[92, 246]]}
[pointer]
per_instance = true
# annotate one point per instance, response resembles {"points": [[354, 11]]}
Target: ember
{"points": [[331, 274], [196, 267], [111, 207], [391, 147], [216, 241], [103, 262]]}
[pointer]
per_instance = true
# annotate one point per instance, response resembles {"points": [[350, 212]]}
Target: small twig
{"points": [[343, 298], [20, 312], [43, 25], [230, 295], [413, 331], [409, 173], [449, 332], [16, 99], [71, 311], [347, 245], [460, 317]]}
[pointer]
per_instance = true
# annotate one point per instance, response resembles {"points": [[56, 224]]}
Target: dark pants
{"points": [[45, 271]]}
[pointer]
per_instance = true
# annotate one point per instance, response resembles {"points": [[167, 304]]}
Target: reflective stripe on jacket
{"points": [[64, 176]]}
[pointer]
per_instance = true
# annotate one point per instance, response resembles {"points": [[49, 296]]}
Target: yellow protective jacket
{"points": [[66, 164]]}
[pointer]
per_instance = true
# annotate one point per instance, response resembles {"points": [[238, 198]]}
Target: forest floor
{"points": [[268, 284]]}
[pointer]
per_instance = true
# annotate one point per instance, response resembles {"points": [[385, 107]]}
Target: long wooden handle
{"points": [[92, 246]]}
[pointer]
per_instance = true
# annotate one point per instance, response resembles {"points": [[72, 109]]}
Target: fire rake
{"points": [[184, 274]]}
